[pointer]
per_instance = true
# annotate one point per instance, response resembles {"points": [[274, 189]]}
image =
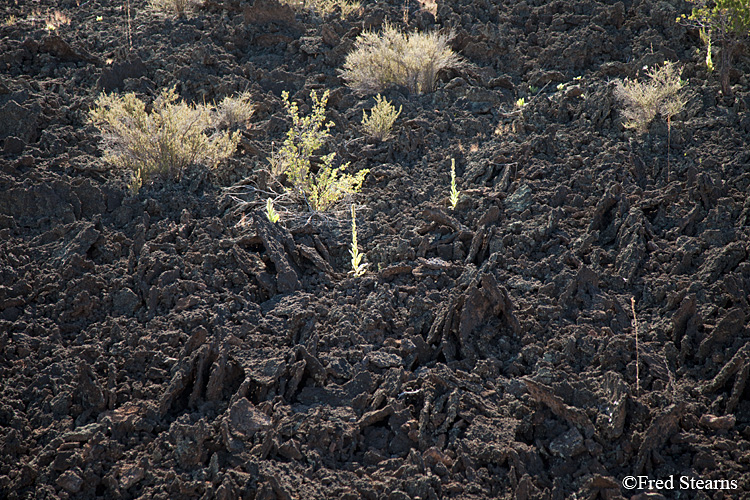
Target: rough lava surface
{"points": [[176, 345]]}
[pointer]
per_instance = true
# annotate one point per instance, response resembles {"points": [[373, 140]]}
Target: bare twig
{"points": [[637, 356], [130, 36]]}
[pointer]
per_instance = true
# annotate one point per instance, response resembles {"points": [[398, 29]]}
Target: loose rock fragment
{"points": [[729, 326], [604, 486], [376, 416], [246, 420], [70, 481], [383, 360], [662, 428], [568, 445], [573, 415], [130, 475], [718, 423], [287, 277], [612, 421], [269, 11]]}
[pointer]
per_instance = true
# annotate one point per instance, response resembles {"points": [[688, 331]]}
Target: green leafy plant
{"points": [[380, 60], [136, 182], [163, 142], [709, 51], [726, 21], [323, 189], [454, 192], [521, 102], [382, 117], [358, 268], [271, 214]]}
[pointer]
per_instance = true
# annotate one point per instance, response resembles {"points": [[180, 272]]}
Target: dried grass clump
{"points": [[327, 7], [661, 94], [55, 19], [177, 7], [390, 57], [234, 111], [163, 142]]}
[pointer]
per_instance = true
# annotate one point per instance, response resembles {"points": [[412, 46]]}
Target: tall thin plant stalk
{"points": [[130, 36], [637, 350]]}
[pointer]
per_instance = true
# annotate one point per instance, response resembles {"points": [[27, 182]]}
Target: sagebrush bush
{"points": [[382, 117], [661, 94], [234, 111], [323, 189], [391, 57], [326, 7], [163, 142], [178, 7]]}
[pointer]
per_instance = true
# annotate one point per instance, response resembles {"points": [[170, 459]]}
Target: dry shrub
{"points": [[178, 7], [51, 20], [234, 111], [327, 7], [390, 57], [661, 94], [55, 19], [163, 142]]}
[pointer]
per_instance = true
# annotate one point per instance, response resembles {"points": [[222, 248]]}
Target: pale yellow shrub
{"points": [[326, 7], [234, 111], [164, 142], [382, 117], [391, 57], [178, 7], [661, 94]]}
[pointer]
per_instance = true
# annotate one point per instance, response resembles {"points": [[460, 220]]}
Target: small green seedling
{"points": [[521, 102], [533, 89], [136, 182], [709, 50], [560, 86], [358, 268], [454, 191], [271, 214]]}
